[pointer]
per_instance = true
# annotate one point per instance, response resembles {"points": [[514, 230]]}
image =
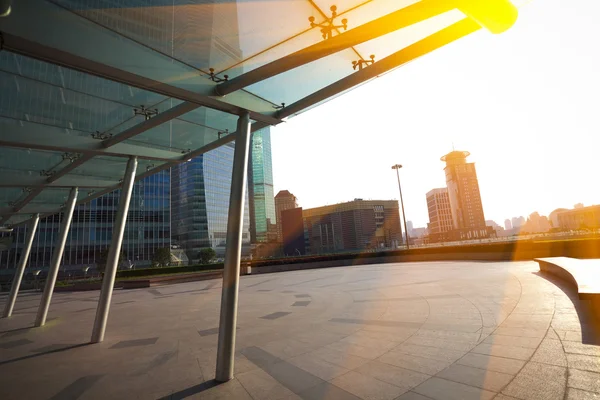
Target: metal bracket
{"points": [[362, 62], [149, 167], [147, 113], [328, 26], [101, 135], [279, 107], [221, 133], [1, 41], [71, 156], [91, 192], [215, 78], [47, 173]]}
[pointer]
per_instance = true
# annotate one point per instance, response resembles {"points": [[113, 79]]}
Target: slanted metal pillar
{"points": [[14, 290], [112, 262], [56, 258], [233, 252]]}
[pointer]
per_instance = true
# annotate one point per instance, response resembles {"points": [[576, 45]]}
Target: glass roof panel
{"points": [[32, 20], [318, 74], [27, 160]]}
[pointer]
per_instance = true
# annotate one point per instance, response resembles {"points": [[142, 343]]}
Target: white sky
{"points": [[525, 103]]}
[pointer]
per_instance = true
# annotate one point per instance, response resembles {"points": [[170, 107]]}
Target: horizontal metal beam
{"points": [[43, 137], [394, 21], [410, 53], [55, 56]]}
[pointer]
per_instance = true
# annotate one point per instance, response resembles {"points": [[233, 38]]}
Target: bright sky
{"points": [[525, 103]]}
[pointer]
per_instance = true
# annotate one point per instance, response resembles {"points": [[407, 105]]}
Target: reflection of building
{"points": [[292, 228], [463, 191], [355, 225], [580, 218], [284, 200], [147, 229], [440, 213]]}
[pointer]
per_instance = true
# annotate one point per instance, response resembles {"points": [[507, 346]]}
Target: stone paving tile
{"points": [[276, 315], [134, 343], [368, 388], [262, 386], [441, 343], [485, 379], [327, 391], [339, 358], [442, 389], [501, 396], [519, 353], [366, 341], [538, 382], [550, 352], [77, 388], [522, 332], [576, 394], [412, 396], [15, 343], [424, 365], [583, 362], [454, 336], [584, 380], [300, 296], [580, 348], [318, 367], [503, 340], [392, 374], [492, 363], [370, 353], [301, 304], [430, 352]]}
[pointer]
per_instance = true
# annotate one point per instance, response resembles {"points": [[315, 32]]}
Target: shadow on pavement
{"points": [[56, 350], [182, 394], [589, 323]]}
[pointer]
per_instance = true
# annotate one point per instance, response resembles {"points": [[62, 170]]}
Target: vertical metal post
{"points": [[402, 204], [14, 289], [56, 258], [233, 251], [112, 262]]}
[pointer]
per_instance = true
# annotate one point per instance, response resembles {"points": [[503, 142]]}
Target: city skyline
{"points": [[515, 141]]}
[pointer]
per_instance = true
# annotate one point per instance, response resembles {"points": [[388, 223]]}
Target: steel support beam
{"points": [[42, 313], [16, 283], [233, 251], [55, 56], [112, 263], [410, 53], [394, 21]]}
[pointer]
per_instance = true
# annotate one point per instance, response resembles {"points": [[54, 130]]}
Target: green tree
{"points": [[102, 259], [162, 257], [206, 255]]}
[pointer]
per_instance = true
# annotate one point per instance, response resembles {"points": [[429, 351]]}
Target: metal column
{"points": [[56, 258], [233, 252], [14, 290], [112, 262]]}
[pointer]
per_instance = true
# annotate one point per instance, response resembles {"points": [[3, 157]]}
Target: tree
{"points": [[102, 259], [206, 255], [162, 257]]}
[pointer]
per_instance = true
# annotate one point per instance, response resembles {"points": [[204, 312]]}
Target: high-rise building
{"points": [[147, 229], [440, 212], [263, 217], [518, 222], [355, 225], [463, 191], [292, 227], [508, 224], [284, 200]]}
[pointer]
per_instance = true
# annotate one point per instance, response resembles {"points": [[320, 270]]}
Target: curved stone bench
{"points": [[583, 274]]}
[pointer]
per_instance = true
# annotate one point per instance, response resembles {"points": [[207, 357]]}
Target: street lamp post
{"points": [[397, 168]]}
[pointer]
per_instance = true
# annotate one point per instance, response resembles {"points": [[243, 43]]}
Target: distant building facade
{"points": [[292, 227], [508, 224], [580, 218], [284, 200], [440, 212], [355, 225]]}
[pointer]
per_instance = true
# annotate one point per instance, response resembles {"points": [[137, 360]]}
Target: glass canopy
{"points": [[86, 84]]}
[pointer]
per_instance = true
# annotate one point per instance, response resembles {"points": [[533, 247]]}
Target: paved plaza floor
{"points": [[410, 331]]}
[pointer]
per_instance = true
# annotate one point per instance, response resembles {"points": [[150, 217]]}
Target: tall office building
{"points": [[284, 200], [463, 191], [263, 219], [355, 225], [508, 224], [440, 212]]}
